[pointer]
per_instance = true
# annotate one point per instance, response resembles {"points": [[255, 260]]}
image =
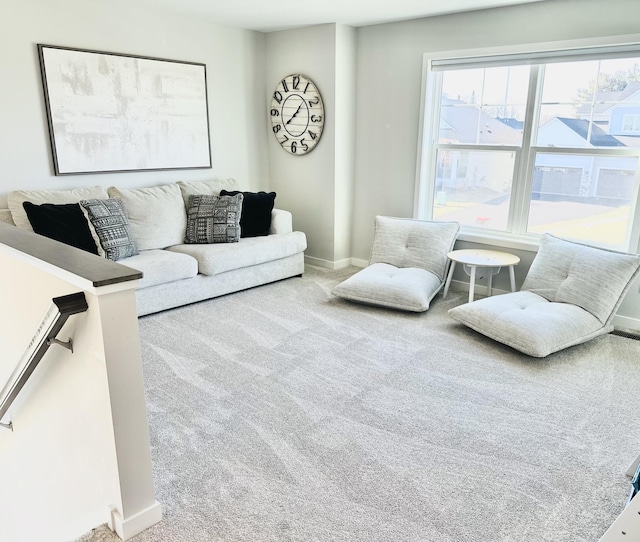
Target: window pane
{"points": [[474, 187], [590, 104], [588, 198], [483, 106], [569, 82]]}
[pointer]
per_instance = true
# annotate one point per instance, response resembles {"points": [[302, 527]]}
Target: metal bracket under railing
{"points": [[50, 325], [68, 345]]}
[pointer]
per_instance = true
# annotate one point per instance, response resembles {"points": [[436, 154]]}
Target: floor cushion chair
{"points": [[407, 267], [570, 295]]}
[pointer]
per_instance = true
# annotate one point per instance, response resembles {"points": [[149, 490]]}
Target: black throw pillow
{"points": [[65, 223], [255, 220]]}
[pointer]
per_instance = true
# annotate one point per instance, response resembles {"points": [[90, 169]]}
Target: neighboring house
{"points": [[462, 169], [461, 122], [566, 132], [603, 180], [617, 112], [612, 121]]}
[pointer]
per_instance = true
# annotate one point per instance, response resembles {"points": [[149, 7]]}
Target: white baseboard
{"points": [[626, 322], [319, 262], [133, 525], [357, 262]]}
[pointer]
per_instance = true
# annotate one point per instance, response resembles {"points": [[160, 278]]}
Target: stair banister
{"points": [[57, 314]]}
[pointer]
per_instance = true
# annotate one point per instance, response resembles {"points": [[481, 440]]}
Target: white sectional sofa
{"points": [[175, 273]]}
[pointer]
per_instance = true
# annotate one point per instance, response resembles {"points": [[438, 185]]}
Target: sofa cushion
{"points": [[109, 225], [206, 188], [16, 198], [413, 243], [156, 215], [219, 258], [592, 278], [256, 212], [529, 322], [65, 223], [161, 266], [409, 289]]}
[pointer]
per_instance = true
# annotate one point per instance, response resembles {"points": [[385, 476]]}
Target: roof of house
{"points": [[467, 123], [512, 123], [599, 138]]}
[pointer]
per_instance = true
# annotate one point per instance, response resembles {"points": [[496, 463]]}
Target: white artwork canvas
{"points": [[110, 112]]}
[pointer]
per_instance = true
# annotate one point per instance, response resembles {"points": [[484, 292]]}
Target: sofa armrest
{"points": [[281, 221]]}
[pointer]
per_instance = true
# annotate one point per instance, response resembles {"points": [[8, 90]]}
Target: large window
{"points": [[521, 144]]}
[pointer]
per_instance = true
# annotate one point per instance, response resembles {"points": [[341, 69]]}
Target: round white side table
{"points": [[471, 259]]}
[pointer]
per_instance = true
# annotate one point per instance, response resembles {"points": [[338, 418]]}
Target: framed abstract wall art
{"points": [[110, 112]]}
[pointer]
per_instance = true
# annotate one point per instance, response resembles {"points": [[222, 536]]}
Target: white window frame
{"points": [[523, 169]]}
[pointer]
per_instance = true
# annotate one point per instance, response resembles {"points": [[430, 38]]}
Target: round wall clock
{"points": [[297, 114]]}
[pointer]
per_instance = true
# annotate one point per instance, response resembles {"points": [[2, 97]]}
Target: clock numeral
{"points": [[304, 145], [294, 149], [296, 82], [276, 128], [305, 88], [284, 140], [284, 85], [313, 135], [277, 96], [312, 102], [316, 118], [275, 113]]}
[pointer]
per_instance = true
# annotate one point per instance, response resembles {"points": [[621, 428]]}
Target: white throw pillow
{"points": [[205, 188], [157, 216], [16, 198]]}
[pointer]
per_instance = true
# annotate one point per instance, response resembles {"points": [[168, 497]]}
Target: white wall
{"points": [[305, 184], [389, 67], [346, 43], [39, 490], [317, 187], [234, 61], [78, 455]]}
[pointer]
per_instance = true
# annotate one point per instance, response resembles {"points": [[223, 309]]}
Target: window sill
{"points": [[495, 239]]}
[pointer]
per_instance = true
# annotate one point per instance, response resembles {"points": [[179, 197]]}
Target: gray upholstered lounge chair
{"points": [[408, 264], [570, 295]]}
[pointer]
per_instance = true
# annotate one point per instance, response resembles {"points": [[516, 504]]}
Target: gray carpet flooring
{"points": [[284, 414]]}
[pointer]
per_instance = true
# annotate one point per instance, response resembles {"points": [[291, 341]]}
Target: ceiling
{"points": [[270, 15]]}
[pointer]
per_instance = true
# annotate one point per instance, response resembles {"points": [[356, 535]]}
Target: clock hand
{"points": [[293, 116]]}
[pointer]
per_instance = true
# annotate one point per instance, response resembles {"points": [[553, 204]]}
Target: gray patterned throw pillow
{"points": [[213, 219], [109, 224]]}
